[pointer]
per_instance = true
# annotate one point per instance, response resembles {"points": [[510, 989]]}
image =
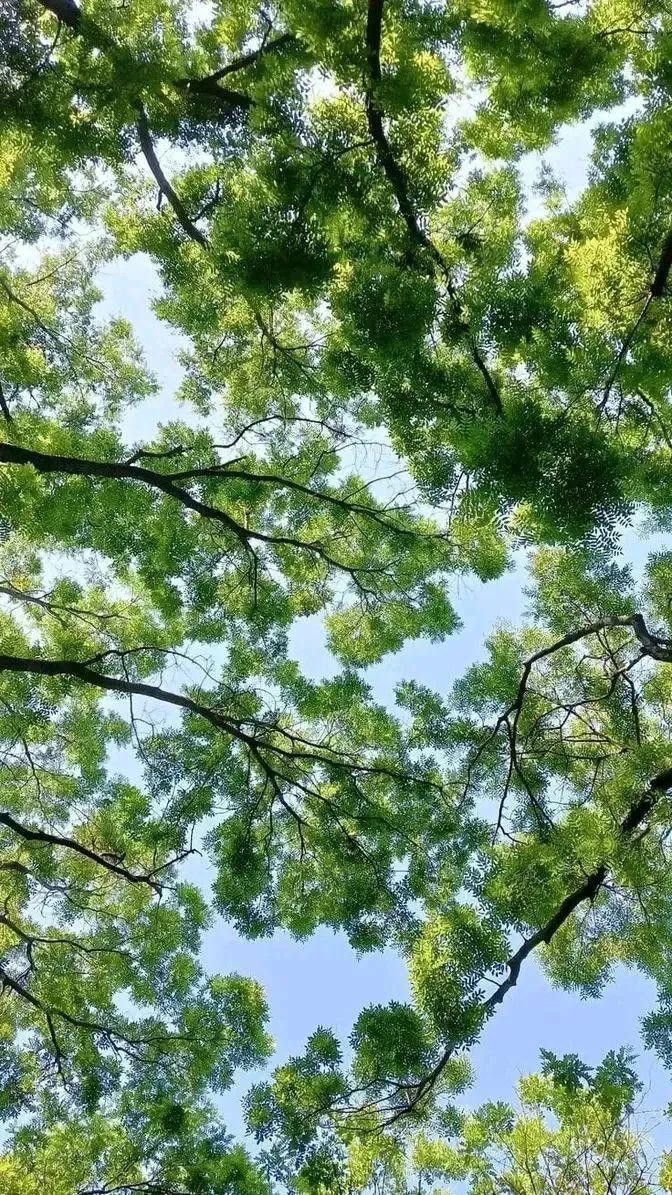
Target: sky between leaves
{"points": [[524, 376], [322, 980]]}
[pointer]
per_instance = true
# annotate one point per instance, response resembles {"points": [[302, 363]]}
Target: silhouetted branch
{"points": [[585, 892], [147, 146], [397, 179], [71, 844]]}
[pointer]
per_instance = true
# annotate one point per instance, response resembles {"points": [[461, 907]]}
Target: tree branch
{"points": [[147, 146], [43, 462], [49, 463], [225, 471], [586, 891], [656, 291], [244, 60], [397, 179], [71, 844], [65, 11], [4, 407], [71, 15]]}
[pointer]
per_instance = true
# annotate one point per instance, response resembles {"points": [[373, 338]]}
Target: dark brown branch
{"points": [[136, 1187], [30, 940], [14, 298], [7, 414], [394, 172], [147, 146], [225, 471], [396, 177], [114, 684], [77, 466], [628, 340], [91, 618], [71, 844], [83, 672], [71, 15], [658, 649], [652, 645], [224, 95], [586, 891], [244, 60], [293, 747], [663, 268], [65, 11], [118, 470], [656, 291], [68, 13], [108, 1032]]}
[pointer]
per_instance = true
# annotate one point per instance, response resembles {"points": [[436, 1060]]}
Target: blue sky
{"points": [[321, 981]]}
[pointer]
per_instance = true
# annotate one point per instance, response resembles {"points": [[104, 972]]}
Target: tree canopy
{"points": [[401, 363]]}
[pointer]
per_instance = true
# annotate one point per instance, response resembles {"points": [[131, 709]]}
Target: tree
{"points": [[563, 784], [576, 1131], [350, 275]]}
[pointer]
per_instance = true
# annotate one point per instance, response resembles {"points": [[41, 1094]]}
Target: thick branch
{"points": [[394, 172], [285, 745], [662, 269], [585, 892], [108, 1032], [652, 645], [66, 11], [147, 146], [71, 844], [114, 684], [224, 95], [209, 85], [123, 471], [71, 15], [244, 60], [225, 471], [4, 407], [77, 466]]}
